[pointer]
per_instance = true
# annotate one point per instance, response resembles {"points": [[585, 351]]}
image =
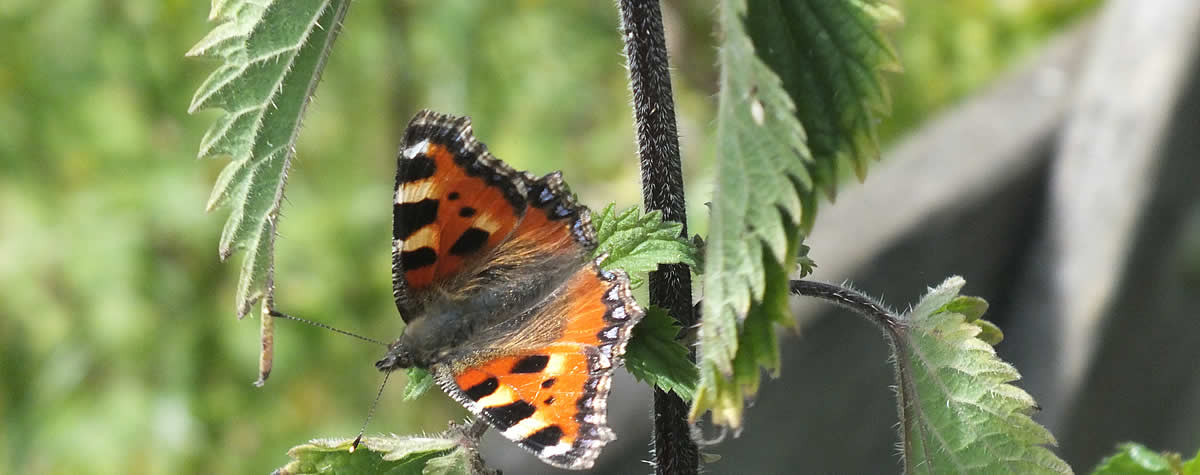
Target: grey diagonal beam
{"points": [[1117, 353], [1101, 183]]}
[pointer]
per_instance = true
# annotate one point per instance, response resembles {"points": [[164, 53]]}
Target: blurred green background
{"points": [[118, 345]]}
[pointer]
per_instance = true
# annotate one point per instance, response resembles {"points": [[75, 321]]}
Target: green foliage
{"points": [[443, 454], [1135, 459], [971, 308], [799, 91], [829, 55], [456, 462], [988, 332], [637, 243], [804, 264], [958, 411], [656, 356], [419, 381], [273, 54]]}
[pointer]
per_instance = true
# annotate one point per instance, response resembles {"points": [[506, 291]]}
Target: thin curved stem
{"points": [[894, 329], [846, 297]]}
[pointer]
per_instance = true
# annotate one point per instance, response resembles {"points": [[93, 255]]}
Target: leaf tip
{"points": [[224, 252], [196, 51]]}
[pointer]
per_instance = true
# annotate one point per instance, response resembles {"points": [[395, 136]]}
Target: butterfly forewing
{"points": [[453, 204]]}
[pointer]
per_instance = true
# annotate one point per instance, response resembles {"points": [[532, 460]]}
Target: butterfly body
{"points": [[454, 328], [493, 274]]}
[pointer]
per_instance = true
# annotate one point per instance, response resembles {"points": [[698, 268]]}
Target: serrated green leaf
{"points": [[273, 53], [386, 455], [419, 381], [757, 350], [452, 452], [804, 264], [830, 55], [1136, 459], [970, 307], [454, 463], [765, 198], [959, 414], [637, 243], [760, 180], [655, 356], [989, 332]]}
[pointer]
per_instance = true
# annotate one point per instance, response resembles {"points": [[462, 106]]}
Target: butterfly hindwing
{"points": [[534, 399], [552, 400], [453, 203]]}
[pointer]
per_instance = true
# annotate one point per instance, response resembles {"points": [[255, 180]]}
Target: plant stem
{"points": [[662, 189], [852, 299], [894, 329]]}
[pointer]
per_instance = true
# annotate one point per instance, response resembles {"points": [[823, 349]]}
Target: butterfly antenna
{"points": [[370, 413], [278, 314]]}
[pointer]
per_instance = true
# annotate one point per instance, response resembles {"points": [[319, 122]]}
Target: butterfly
{"points": [[503, 303]]}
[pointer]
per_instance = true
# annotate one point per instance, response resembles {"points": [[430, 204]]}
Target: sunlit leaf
{"points": [[457, 462], [1137, 459], [419, 381], [655, 356], [959, 412], [637, 243], [970, 307], [786, 115], [393, 455], [272, 55], [452, 452], [830, 55]]}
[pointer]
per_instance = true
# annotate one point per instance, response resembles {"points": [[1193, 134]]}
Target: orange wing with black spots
{"points": [[553, 400], [535, 399], [554, 222], [492, 271], [453, 203]]}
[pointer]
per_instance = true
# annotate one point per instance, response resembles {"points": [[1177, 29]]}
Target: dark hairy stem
{"points": [[851, 299], [894, 329], [662, 190]]}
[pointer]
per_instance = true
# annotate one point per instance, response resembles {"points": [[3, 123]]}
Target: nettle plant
{"points": [[800, 96]]}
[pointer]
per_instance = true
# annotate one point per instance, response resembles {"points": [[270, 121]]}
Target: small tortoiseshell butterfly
{"points": [[504, 305]]}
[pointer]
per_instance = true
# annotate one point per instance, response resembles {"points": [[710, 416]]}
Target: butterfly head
{"points": [[398, 356]]}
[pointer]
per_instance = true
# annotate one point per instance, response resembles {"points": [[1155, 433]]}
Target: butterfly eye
{"points": [[386, 363], [397, 357]]}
